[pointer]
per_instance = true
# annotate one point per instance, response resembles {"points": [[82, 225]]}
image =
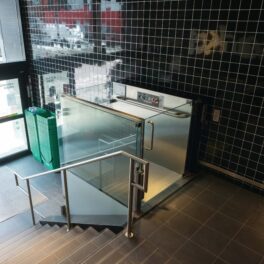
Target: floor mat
{"points": [[13, 200]]}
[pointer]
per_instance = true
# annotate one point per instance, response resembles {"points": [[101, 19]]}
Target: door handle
{"points": [[152, 136]]}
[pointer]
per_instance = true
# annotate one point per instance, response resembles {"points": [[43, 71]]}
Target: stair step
{"points": [[24, 243], [114, 251], [98, 255], [19, 236], [62, 239], [112, 222], [69, 248], [104, 237], [17, 257], [91, 247], [104, 251]]}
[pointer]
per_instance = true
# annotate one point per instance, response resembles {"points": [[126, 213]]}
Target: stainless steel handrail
{"points": [[132, 184], [152, 135]]}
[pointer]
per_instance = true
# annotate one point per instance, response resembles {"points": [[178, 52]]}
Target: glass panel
{"points": [[88, 131], [12, 137], [11, 39], [167, 158], [88, 202], [10, 102], [109, 176]]}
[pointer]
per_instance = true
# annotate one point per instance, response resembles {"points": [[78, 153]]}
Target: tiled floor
{"points": [[211, 220]]}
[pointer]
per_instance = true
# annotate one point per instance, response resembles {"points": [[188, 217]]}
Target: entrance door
{"points": [[13, 138]]}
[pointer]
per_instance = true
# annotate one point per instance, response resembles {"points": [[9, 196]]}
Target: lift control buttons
{"points": [[148, 99]]}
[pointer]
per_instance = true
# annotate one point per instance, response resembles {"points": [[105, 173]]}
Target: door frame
{"points": [[16, 70]]}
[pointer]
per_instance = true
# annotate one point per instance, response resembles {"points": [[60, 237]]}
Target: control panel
{"points": [[148, 99]]}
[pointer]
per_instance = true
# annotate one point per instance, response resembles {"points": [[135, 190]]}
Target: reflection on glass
{"points": [[55, 84], [86, 131], [70, 30], [11, 39], [12, 137], [10, 102]]}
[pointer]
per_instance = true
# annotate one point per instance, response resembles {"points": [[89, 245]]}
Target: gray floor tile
{"points": [[179, 200], [224, 224], [211, 199], [248, 199], [193, 189], [256, 222], [220, 261], [167, 240], [252, 239], [163, 213], [183, 224], [223, 188], [236, 253], [158, 257], [172, 261], [141, 253], [211, 240], [236, 212], [191, 253], [198, 211]]}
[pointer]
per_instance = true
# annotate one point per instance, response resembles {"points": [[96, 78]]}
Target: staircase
{"points": [[53, 244], [47, 244]]}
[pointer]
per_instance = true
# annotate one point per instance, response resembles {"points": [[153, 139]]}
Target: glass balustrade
{"points": [[127, 120], [86, 131]]}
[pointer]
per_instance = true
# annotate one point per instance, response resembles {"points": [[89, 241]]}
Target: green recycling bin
{"points": [[43, 138], [48, 140], [30, 115]]}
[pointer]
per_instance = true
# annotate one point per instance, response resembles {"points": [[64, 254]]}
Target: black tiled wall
{"points": [[205, 49]]}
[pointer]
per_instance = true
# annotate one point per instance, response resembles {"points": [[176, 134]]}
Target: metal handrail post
{"points": [[68, 216], [30, 202], [129, 233], [132, 184], [16, 179]]}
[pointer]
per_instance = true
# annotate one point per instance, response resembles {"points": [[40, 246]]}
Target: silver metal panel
{"points": [[170, 140]]}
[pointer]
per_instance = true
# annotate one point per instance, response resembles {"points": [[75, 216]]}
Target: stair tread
{"points": [[103, 251], [82, 252], [19, 236], [70, 247], [62, 239], [23, 254], [92, 246], [23, 243], [97, 256], [117, 250], [140, 253]]}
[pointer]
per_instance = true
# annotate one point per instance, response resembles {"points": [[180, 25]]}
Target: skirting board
{"points": [[233, 175]]}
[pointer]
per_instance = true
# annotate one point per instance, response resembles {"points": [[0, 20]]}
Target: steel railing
{"points": [[132, 183]]}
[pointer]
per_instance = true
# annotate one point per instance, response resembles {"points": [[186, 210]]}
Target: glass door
{"points": [[13, 137]]}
